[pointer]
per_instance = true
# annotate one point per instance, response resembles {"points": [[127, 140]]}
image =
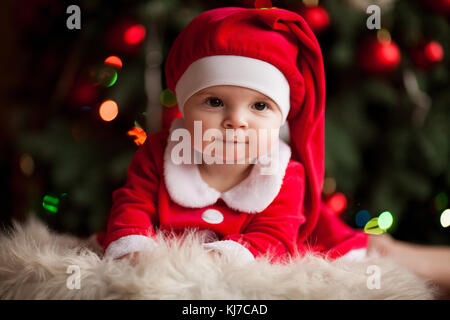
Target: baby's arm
{"points": [[429, 262], [130, 225], [273, 230]]}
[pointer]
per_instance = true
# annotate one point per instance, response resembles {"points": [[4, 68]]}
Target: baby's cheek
{"points": [[266, 143]]}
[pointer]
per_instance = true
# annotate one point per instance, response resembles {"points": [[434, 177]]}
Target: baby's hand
{"points": [[133, 257], [383, 244]]}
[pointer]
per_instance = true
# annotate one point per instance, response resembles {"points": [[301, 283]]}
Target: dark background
{"points": [[387, 142]]}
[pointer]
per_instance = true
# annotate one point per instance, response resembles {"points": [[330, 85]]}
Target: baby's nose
{"points": [[235, 120], [235, 125]]}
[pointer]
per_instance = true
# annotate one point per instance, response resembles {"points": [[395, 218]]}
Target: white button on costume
{"points": [[212, 216]]}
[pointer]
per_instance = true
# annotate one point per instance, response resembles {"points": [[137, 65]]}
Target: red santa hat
{"points": [[272, 51]]}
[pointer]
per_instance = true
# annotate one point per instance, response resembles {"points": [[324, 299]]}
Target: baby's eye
{"points": [[215, 102], [260, 106]]}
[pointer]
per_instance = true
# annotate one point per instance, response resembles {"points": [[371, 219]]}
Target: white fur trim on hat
{"points": [[234, 70]]}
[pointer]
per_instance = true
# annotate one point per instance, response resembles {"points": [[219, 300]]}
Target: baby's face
{"points": [[233, 113]]}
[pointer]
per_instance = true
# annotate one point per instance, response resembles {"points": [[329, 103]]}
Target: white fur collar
{"points": [[187, 188]]}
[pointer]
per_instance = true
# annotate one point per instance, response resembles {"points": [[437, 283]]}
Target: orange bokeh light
{"points": [[114, 61], [108, 110], [139, 135]]}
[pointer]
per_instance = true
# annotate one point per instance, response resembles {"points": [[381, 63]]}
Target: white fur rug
{"points": [[36, 263]]}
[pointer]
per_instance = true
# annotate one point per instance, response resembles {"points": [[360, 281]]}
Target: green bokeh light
{"points": [[50, 203], [440, 201], [168, 98], [112, 80], [372, 227], [385, 220], [107, 76]]}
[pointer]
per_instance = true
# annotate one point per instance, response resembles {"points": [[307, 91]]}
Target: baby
{"points": [[219, 164]]}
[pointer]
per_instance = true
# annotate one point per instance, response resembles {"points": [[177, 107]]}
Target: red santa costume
{"points": [[274, 52]]}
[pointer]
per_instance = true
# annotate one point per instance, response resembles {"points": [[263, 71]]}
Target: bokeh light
{"points": [[139, 135], [337, 202], [114, 62], [329, 185], [50, 204], [445, 218], [385, 220], [440, 201], [384, 36], [389, 53], [134, 34], [107, 76], [26, 164], [372, 227], [316, 16], [311, 3], [362, 217], [108, 110], [168, 98], [434, 52]]}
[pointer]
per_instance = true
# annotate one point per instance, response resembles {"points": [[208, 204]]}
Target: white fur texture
{"points": [[34, 264]]}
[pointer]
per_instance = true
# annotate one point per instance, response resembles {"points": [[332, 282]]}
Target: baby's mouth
{"points": [[231, 141]]}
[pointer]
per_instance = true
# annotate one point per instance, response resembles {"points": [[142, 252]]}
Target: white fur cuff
{"points": [[231, 249], [129, 244]]}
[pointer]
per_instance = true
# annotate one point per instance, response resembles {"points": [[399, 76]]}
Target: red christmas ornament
{"points": [[125, 36], [427, 54], [378, 56], [434, 52], [316, 16], [134, 34]]}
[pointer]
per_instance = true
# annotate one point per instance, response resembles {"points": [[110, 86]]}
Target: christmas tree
{"points": [[81, 100]]}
